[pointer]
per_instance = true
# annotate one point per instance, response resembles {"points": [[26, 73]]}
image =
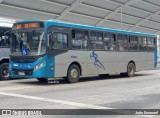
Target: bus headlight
{"points": [[40, 65]]}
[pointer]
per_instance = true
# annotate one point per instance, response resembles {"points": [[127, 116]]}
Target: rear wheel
{"points": [[4, 71], [73, 74], [130, 70], [42, 80]]}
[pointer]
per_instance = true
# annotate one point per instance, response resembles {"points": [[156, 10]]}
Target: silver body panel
{"points": [[4, 53], [112, 62]]}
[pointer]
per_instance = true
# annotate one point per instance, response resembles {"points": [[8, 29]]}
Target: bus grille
{"points": [[23, 60], [26, 72]]}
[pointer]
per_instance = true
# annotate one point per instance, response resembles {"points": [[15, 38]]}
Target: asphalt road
{"points": [[113, 92]]}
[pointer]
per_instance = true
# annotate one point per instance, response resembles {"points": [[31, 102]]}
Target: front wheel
{"points": [[4, 71], [44, 80], [73, 74], [130, 69]]}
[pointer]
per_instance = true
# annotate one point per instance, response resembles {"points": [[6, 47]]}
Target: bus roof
{"points": [[68, 24]]}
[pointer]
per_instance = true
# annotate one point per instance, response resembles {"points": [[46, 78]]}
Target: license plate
{"points": [[21, 73]]}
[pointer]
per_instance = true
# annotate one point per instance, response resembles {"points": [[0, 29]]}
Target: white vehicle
{"points": [[4, 52]]}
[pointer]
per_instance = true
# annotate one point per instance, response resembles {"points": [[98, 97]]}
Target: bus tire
{"points": [[130, 70], [4, 74], [43, 80], [73, 74]]}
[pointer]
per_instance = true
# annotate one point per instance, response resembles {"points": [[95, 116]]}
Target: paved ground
{"points": [[139, 92]]}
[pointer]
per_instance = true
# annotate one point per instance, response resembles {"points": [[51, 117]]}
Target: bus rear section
{"points": [[4, 52]]}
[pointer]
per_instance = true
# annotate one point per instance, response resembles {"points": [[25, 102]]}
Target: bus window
{"points": [[58, 40], [4, 41], [151, 44], [133, 40], [77, 37], [4, 38], [142, 44], [123, 42], [96, 41], [80, 39], [85, 40], [109, 42]]}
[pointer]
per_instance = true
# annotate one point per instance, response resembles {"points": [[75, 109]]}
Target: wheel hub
{"points": [[5, 72], [74, 73]]}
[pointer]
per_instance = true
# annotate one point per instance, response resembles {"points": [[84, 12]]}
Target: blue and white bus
{"points": [[53, 49], [4, 52]]}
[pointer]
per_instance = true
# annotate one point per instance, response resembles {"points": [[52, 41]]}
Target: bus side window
{"points": [[51, 40], [58, 40], [151, 44], [85, 40], [96, 41], [1, 40], [134, 46], [80, 39], [109, 42], [4, 41], [5, 37], [142, 44], [77, 39], [123, 42]]}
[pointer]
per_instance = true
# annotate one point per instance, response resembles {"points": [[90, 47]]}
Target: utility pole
{"points": [[121, 18]]}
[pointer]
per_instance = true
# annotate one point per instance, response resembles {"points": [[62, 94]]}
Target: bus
{"points": [[53, 49], [4, 52]]}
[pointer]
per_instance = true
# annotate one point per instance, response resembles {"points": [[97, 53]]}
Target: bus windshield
{"points": [[32, 40]]}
